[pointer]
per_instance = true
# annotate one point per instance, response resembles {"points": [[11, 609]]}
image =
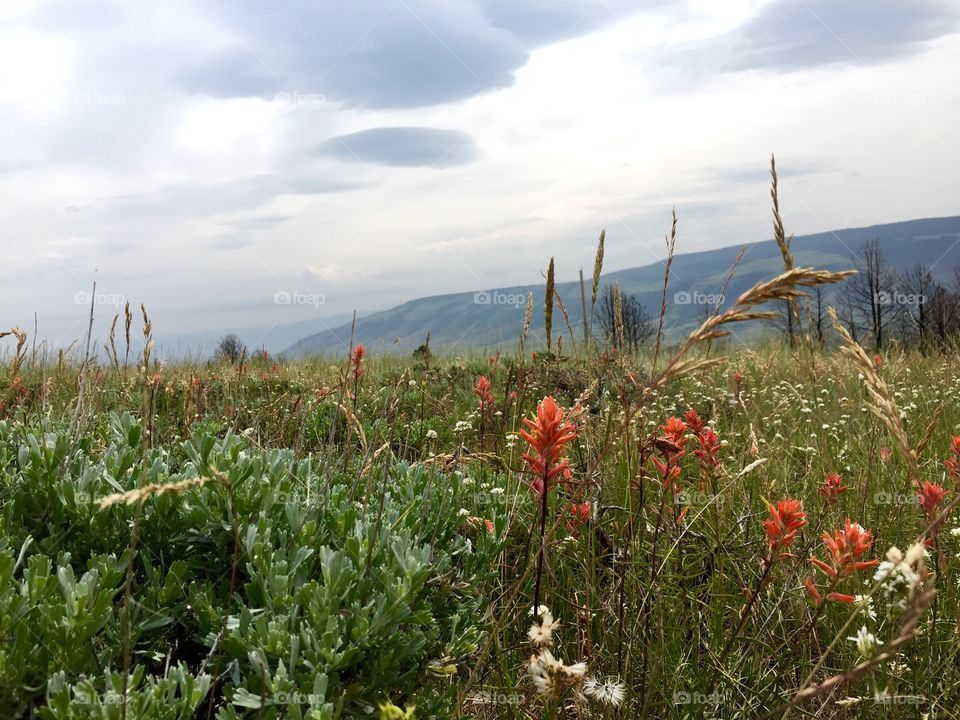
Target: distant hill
{"points": [[492, 318]]}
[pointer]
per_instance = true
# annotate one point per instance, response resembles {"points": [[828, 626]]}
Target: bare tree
{"points": [[869, 293], [230, 349], [638, 326], [847, 314], [818, 316], [944, 312], [917, 285]]}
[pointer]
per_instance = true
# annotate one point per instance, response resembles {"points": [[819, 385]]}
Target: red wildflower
{"points": [[694, 421], [885, 453], [709, 452], [953, 462], [356, 358], [877, 361], [675, 430], [670, 446], [489, 526], [482, 391], [931, 495], [668, 471], [844, 550], [832, 487], [738, 378], [580, 514], [547, 437], [786, 519]]}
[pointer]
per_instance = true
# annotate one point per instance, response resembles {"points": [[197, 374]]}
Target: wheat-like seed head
{"points": [[548, 306], [783, 242], [880, 402], [528, 315], [140, 494], [597, 268], [782, 287]]}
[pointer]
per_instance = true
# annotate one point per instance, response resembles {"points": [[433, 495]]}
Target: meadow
{"points": [[719, 532]]}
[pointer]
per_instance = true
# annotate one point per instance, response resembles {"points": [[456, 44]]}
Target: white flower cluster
{"points": [[899, 573], [553, 679], [866, 642]]}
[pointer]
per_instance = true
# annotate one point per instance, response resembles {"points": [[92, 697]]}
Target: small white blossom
{"points": [[866, 606], [866, 642]]}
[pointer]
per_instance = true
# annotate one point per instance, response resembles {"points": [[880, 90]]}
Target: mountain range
{"points": [[493, 317]]}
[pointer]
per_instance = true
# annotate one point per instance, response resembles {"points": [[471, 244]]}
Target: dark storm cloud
{"points": [[402, 147], [792, 34], [386, 53]]}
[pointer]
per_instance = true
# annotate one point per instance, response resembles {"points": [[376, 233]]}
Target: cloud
{"points": [[402, 147], [539, 22], [230, 241], [386, 53], [757, 172], [793, 34]]}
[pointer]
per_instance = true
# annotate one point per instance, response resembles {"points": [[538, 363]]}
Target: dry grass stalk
{"points": [[20, 354], [597, 269], [140, 494], [783, 287], [355, 424], [783, 242], [729, 277], [618, 315], [114, 355], [566, 320], [583, 310], [928, 433], [127, 322], [527, 318], [671, 244], [908, 631], [880, 400], [548, 306]]}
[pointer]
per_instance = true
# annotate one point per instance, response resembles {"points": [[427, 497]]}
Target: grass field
{"points": [[341, 539]]}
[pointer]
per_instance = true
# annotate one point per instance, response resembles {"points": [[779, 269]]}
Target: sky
{"points": [[234, 163]]}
